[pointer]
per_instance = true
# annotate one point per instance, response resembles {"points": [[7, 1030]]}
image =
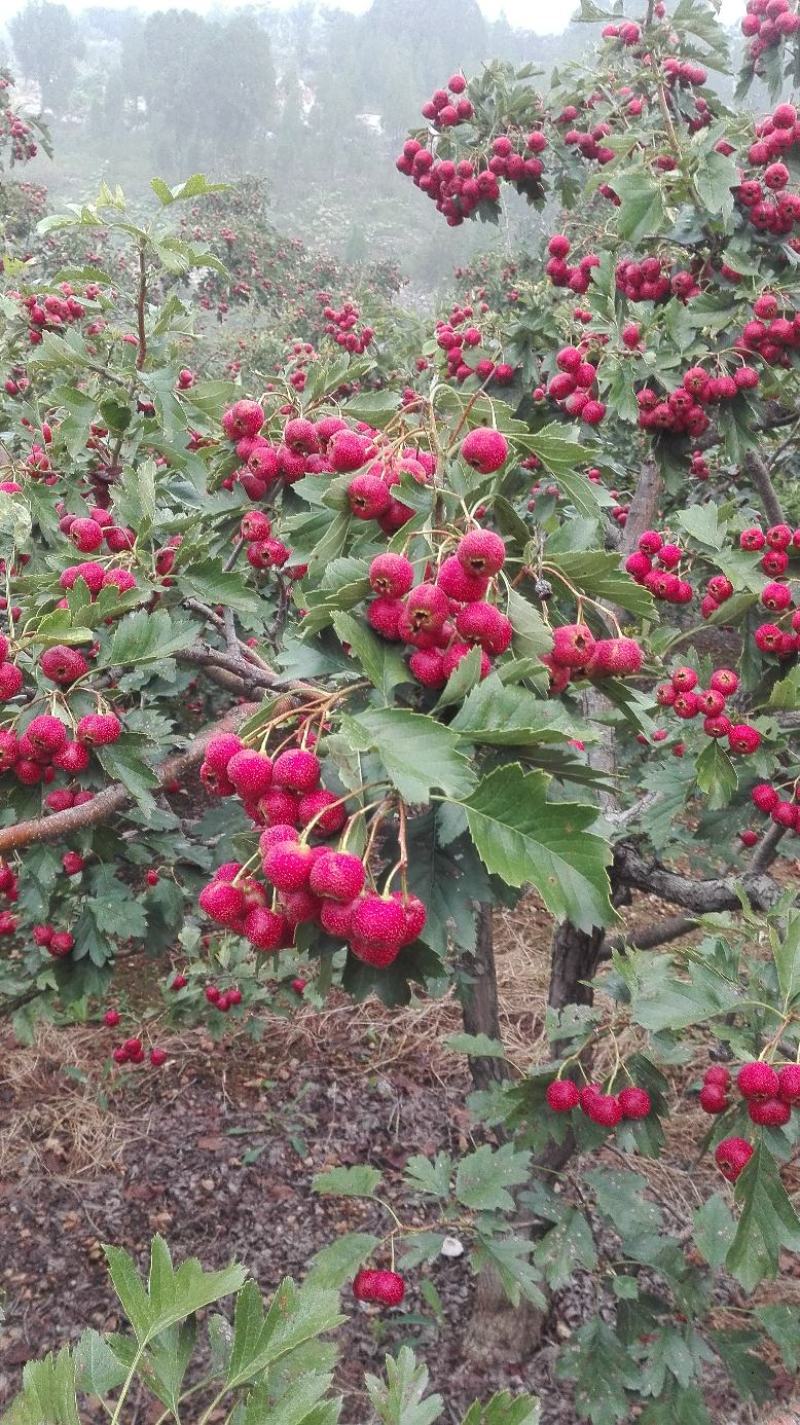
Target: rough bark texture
{"points": [[719, 893], [758, 471], [479, 1008]]}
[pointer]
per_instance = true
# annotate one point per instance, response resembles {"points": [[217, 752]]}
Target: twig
{"points": [[141, 297], [757, 469]]}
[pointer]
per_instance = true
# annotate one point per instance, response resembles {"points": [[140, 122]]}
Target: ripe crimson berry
{"points": [[391, 575], [769, 1112], [453, 580], [562, 1095], [73, 863], [724, 680], [368, 496], [158, 1057], [484, 624], [266, 929], [324, 809], [98, 729], [485, 450], [337, 875], [288, 865], [713, 1098], [765, 797], [297, 769], [245, 418], [573, 645], [744, 739], [717, 1074], [178, 982], [48, 734], [481, 553], [250, 772], [111, 1018], [223, 902], [381, 1287], [635, 1102], [732, 1156], [346, 451], [427, 666], [757, 1080], [614, 657], [378, 922], [11, 681], [603, 1108], [789, 1083]]}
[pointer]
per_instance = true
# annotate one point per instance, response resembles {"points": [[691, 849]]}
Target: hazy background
{"points": [[315, 99]]}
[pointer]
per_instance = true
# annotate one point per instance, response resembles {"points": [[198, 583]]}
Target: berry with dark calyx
{"points": [[573, 645], [562, 1095], [48, 734], [61, 944], [485, 450], [369, 497], [744, 739], [391, 575], [63, 665], [337, 875], [724, 680], [684, 679], [757, 1080], [635, 1102], [481, 553], [732, 1156], [484, 624], [453, 580], [98, 729], [297, 769]]}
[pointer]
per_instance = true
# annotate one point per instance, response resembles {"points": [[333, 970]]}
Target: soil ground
{"points": [[217, 1152]]}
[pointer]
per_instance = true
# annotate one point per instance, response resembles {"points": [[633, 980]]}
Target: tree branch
{"points": [[756, 468], [112, 799], [716, 893], [670, 928]]}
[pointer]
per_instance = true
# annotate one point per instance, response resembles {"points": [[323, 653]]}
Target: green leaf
{"points": [[463, 677], [340, 1260], [48, 1393], [476, 1045], [768, 1222], [296, 1316], [97, 1369], [716, 775], [358, 1181], [208, 581], [780, 1323], [702, 522], [597, 572], [523, 838], [564, 1248], [381, 661], [509, 1258], [417, 753], [377, 407], [503, 715], [504, 1409], [786, 954], [531, 634], [400, 1399], [171, 1295], [603, 1372], [428, 1175], [714, 181], [714, 1228], [641, 213], [144, 637], [123, 763], [785, 693], [195, 187], [482, 1178]]}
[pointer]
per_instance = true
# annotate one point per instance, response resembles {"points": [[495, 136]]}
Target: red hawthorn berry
{"points": [[562, 1095], [178, 982], [250, 772], [719, 726], [718, 1074], [684, 679], [385, 616], [748, 837], [638, 565], [485, 450], [724, 680], [713, 1098], [297, 769], [481, 553], [744, 739], [325, 809], [243, 419], [775, 562], [368, 496], [299, 985], [288, 865], [650, 541], [158, 1057], [48, 734], [789, 1083], [776, 597], [266, 929], [752, 539], [378, 922], [73, 863], [337, 875], [426, 608], [615, 657], [98, 729], [779, 536], [603, 1109], [391, 575], [635, 1102], [427, 666], [484, 624], [111, 1018], [686, 705], [11, 681], [457, 652], [765, 797], [711, 701], [222, 901], [769, 1112], [380, 1287], [573, 645], [454, 581], [732, 1156], [757, 1080]]}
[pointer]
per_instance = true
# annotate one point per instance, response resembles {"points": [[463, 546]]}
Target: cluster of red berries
{"points": [[574, 384], [9, 892], [576, 650], [222, 1000], [341, 324], [649, 281], [51, 312], [717, 592], [455, 344], [682, 411], [444, 110], [563, 274], [774, 803], [263, 552], [663, 582], [45, 747], [369, 494], [771, 333], [88, 532], [770, 1093], [132, 1051], [688, 701], [767, 23], [444, 619], [13, 126], [382, 1288], [607, 1109], [57, 943]]}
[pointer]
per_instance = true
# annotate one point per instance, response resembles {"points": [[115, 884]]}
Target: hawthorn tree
{"points": [[424, 684]]}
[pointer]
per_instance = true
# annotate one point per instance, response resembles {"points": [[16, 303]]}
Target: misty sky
{"points": [[545, 16]]}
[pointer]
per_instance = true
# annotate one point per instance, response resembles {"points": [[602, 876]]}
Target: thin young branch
{"points": [[756, 467], [767, 849], [114, 798], [672, 927], [141, 298]]}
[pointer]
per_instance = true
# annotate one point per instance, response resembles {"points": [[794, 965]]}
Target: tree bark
{"points": [[479, 1004]]}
